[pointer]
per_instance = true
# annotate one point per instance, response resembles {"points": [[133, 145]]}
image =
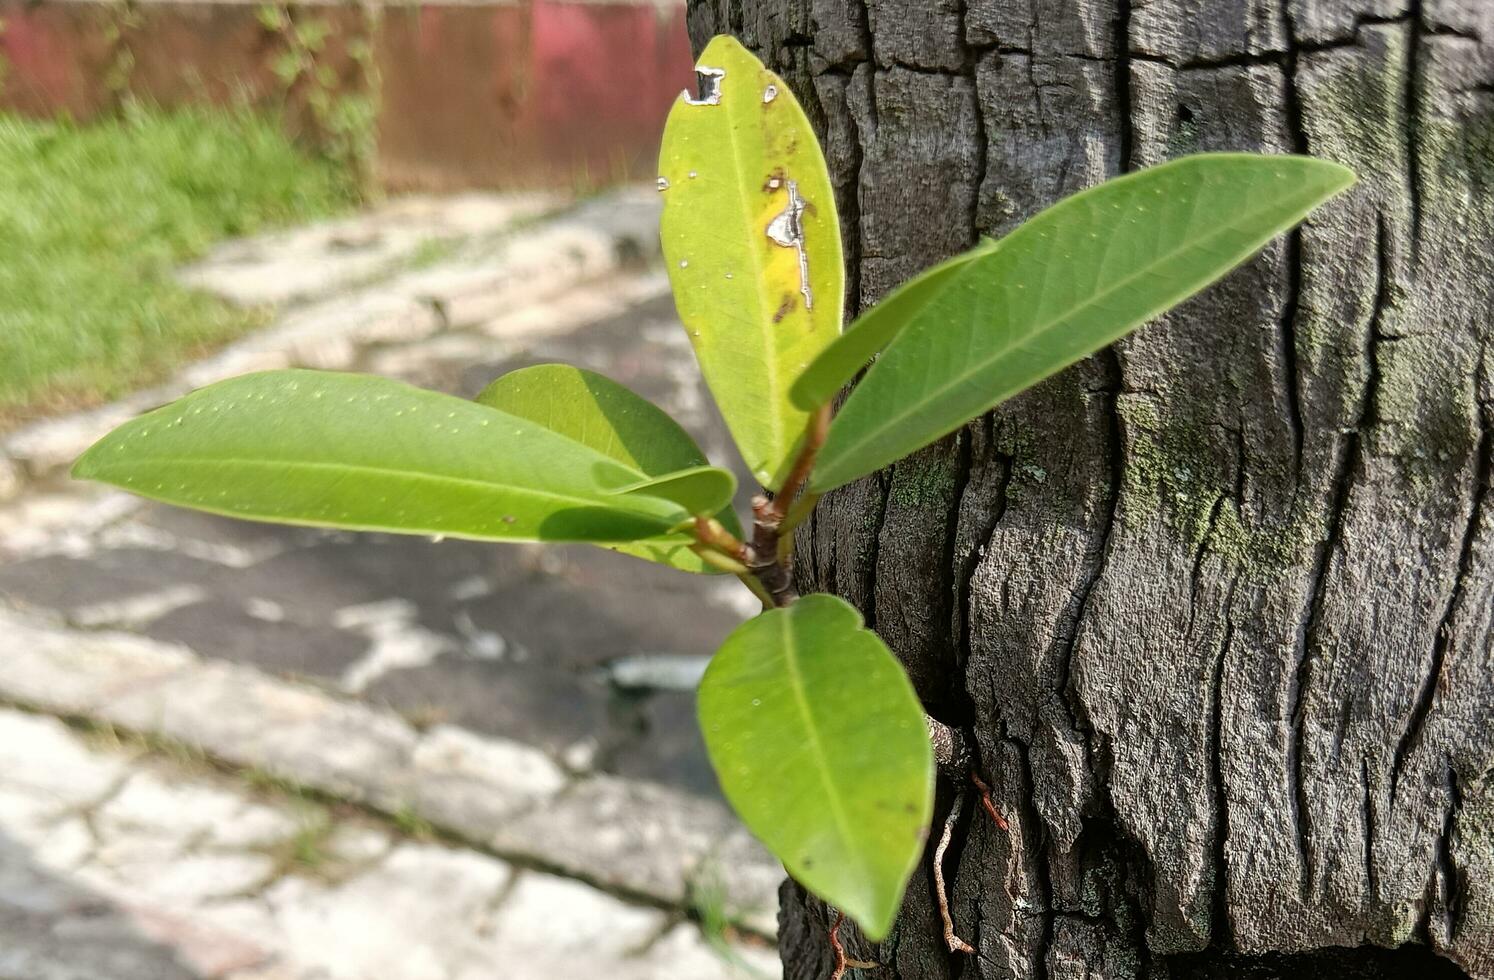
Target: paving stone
{"points": [[416, 915], [356, 844], [577, 308], [210, 952], [319, 259], [179, 881], [54, 844], [200, 816], [551, 929], [75, 673], [598, 828], [249, 720], [683, 954], [327, 336], [593, 240], [43, 759], [461, 778], [635, 837]]}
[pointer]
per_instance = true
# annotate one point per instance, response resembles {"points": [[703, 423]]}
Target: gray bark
{"points": [[1217, 604]]}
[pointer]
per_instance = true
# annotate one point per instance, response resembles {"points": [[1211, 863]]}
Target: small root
{"points": [[954, 942], [988, 803], [843, 962], [836, 947]]}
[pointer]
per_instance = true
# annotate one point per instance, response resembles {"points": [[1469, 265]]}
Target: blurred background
{"points": [[237, 751]]}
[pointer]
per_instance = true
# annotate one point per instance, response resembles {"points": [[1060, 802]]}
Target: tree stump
{"points": [[1217, 604]]}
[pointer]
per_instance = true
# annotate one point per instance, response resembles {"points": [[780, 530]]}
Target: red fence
{"points": [[502, 94]]}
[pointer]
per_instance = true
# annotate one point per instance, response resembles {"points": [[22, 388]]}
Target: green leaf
{"points": [[1076, 277], [369, 454], [701, 491], [598, 412], [820, 745], [752, 244], [837, 364]]}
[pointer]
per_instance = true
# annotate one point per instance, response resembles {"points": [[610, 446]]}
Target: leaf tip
{"points": [[719, 47]]}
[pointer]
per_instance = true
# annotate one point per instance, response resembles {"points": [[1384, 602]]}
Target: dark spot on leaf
{"points": [[784, 309], [775, 181]]}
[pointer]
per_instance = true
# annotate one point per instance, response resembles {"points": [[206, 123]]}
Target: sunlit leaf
{"points": [[610, 418], [365, 453], [864, 339], [753, 247], [820, 745], [1076, 277]]}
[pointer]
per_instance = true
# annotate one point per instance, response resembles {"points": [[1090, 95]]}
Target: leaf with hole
{"points": [[820, 744], [370, 454], [610, 418], [752, 244], [1076, 277]]}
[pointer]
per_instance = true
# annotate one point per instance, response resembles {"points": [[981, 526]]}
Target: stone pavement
{"points": [[119, 863], [535, 702]]}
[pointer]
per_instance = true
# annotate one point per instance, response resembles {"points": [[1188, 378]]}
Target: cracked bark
{"points": [[1218, 604]]}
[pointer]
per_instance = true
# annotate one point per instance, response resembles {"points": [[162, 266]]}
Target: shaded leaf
{"points": [[598, 412], [752, 244], [370, 454], [820, 745], [610, 418], [703, 490], [1073, 279]]}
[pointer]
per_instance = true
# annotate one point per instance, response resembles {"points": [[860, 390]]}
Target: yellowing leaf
{"points": [[753, 247]]}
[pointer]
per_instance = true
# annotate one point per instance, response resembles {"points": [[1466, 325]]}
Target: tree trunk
{"points": [[1216, 604]]}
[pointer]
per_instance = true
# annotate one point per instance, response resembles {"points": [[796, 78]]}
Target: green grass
{"points": [[94, 218]]}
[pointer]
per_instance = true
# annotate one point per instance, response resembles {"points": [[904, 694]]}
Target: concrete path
{"points": [[453, 665]]}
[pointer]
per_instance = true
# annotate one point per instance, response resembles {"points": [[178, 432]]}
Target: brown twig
{"points": [[814, 439], [954, 942], [712, 534], [761, 557], [987, 802]]}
